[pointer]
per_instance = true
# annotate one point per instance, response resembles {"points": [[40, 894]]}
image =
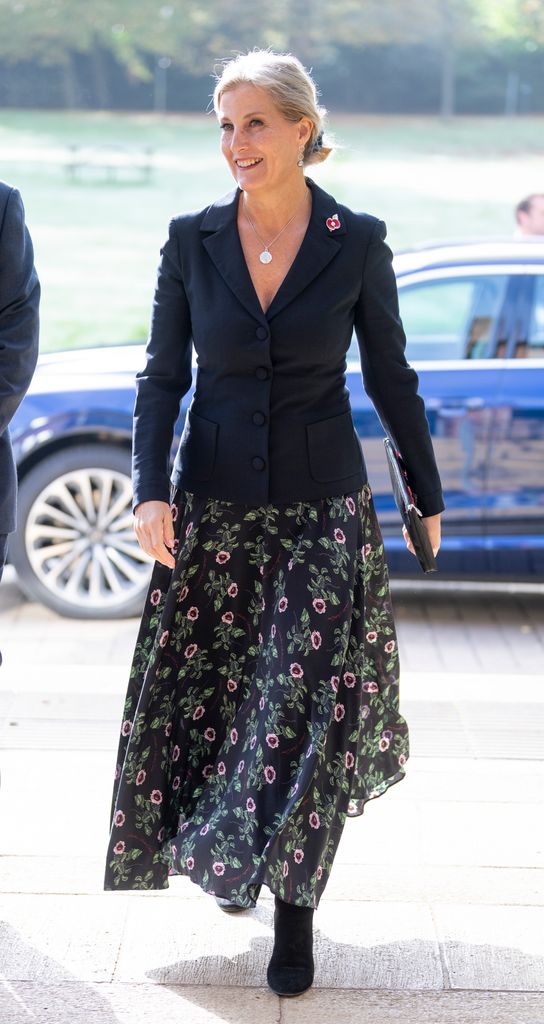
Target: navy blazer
{"points": [[270, 419], [19, 304]]}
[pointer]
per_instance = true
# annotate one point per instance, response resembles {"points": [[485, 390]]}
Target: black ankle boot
{"points": [[291, 968]]}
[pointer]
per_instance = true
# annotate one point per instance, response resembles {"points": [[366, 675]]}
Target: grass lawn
{"points": [[97, 241]]}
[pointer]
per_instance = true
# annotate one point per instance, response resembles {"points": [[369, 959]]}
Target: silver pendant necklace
{"points": [[266, 256]]}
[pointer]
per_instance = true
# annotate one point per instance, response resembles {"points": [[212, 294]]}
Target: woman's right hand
{"points": [[154, 529]]}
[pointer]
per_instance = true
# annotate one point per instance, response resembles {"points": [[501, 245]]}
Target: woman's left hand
{"points": [[432, 525]]}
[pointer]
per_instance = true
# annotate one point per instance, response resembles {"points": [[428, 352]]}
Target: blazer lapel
{"points": [[320, 245]]}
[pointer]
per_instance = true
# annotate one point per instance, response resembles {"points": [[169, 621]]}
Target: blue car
{"points": [[474, 319]]}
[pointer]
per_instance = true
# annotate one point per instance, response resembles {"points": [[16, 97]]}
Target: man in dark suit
{"points": [[19, 304]]}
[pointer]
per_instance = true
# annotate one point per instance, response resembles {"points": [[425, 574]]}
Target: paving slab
{"points": [[91, 1003], [492, 947], [365, 1007]]}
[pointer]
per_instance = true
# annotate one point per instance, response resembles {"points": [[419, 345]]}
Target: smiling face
{"points": [[260, 146]]}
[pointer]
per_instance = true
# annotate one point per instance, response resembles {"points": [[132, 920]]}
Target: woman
{"points": [[262, 708]]}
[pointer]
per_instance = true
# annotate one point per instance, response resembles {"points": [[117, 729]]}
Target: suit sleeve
{"points": [[389, 381], [166, 378], [19, 305]]}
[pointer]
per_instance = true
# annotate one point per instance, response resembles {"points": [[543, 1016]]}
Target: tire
{"points": [[74, 549]]}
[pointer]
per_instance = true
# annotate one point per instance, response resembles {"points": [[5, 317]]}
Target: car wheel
{"points": [[75, 549]]}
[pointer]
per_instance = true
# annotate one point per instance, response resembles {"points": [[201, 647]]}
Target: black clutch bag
{"points": [[406, 504]]}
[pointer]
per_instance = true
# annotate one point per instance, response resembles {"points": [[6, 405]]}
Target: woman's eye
{"points": [[255, 120]]}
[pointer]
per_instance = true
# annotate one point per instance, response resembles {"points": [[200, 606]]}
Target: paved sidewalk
{"points": [[434, 912]]}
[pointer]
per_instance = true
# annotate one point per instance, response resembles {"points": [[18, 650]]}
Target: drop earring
{"points": [[300, 161]]}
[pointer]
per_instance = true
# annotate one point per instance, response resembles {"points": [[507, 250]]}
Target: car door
{"points": [[515, 517], [454, 317]]}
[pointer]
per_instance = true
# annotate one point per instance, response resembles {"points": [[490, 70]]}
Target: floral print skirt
{"points": [[263, 703]]}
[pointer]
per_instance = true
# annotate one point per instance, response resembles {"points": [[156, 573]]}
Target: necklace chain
{"points": [[266, 256]]}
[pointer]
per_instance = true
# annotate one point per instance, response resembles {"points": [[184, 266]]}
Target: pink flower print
{"points": [[228, 617], [232, 685], [161, 834], [219, 867], [296, 670], [155, 597], [389, 647], [262, 703], [207, 771], [273, 630], [190, 863], [198, 712], [175, 753], [316, 639], [350, 505], [250, 804], [119, 818], [209, 734], [384, 743], [222, 557], [319, 872], [205, 829], [174, 511], [183, 593], [193, 613], [175, 545], [314, 820], [269, 773], [261, 570], [349, 679], [119, 847], [184, 826], [260, 638], [272, 739], [339, 536], [164, 638], [168, 729], [335, 680], [253, 742], [190, 650], [319, 605], [282, 604], [366, 550], [388, 734], [126, 727], [189, 529], [299, 856], [370, 687], [221, 768], [339, 712], [241, 766], [372, 636], [285, 869], [140, 778], [352, 807], [156, 796], [290, 565], [234, 736], [232, 590], [117, 772], [350, 760], [176, 782], [402, 759]]}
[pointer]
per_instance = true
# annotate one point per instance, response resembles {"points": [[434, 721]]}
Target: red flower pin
{"points": [[333, 222]]}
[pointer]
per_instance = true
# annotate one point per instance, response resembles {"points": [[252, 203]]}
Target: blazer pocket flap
{"points": [[198, 446], [334, 451]]}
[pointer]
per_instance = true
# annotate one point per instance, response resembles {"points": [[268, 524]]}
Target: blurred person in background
{"points": [[263, 702], [530, 215], [19, 327]]}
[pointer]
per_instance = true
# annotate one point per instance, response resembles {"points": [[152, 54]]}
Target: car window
{"points": [[451, 318], [535, 338]]}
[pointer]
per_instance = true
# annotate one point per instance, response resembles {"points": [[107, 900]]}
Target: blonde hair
{"points": [[291, 87]]}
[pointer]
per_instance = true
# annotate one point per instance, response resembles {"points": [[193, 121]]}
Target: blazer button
{"points": [[258, 418], [261, 372], [262, 333], [257, 462]]}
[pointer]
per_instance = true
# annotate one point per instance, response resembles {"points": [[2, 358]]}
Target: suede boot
{"points": [[291, 968]]}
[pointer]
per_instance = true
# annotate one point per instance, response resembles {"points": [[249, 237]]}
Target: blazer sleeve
{"points": [[390, 382], [19, 305], [166, 378]]}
